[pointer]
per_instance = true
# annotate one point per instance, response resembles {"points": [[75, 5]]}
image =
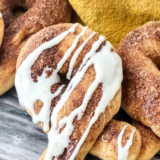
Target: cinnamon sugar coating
{"points": [[50, 58], [150, 142], [140, 53], [40, 14]]}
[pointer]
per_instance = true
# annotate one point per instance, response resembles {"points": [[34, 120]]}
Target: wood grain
{"points": [[20, 139]]}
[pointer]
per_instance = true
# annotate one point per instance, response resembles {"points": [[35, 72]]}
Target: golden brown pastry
{"points": [[73, 115], [150, 142], [106, 146], [39, 14], [1, 29], [140, 53]]}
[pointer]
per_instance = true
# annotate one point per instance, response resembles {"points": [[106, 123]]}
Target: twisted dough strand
{"points": [[140, 53]]}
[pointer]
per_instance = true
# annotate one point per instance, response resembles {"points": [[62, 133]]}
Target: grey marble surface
{"points": [[20, 139]]}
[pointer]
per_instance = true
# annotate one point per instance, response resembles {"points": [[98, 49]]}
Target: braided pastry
{"points": [[40, 14], [106, 146], [140, 53], [74, 116], [119, 140]]}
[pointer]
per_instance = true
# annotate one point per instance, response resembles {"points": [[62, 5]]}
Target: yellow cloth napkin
{"points": [[116, 18]]}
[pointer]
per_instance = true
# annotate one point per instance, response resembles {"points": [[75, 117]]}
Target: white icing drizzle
{"points": [[108, 68], [0, 15], [91, 114], [29, 92], [124, 151], [71, 149], [103, 140], [75, 56]]}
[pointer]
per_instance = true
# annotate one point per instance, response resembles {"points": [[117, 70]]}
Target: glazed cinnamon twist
{"points": [[107, 147], [110, 146], [145, 144], [140, 53], [73, 115], [39, 14]]}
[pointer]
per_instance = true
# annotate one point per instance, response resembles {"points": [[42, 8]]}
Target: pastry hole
{"points": [[64, 80], [17, 11]]}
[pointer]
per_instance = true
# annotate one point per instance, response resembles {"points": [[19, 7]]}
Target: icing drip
{"points": [[75, 56], [124, 151], [103, 140], [108, 68], [0, 15]]}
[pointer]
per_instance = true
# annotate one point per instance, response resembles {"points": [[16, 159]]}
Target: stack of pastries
{"points": [[72, 82]]}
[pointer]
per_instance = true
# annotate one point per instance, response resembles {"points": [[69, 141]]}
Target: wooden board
{"points": [[20, 139]]}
